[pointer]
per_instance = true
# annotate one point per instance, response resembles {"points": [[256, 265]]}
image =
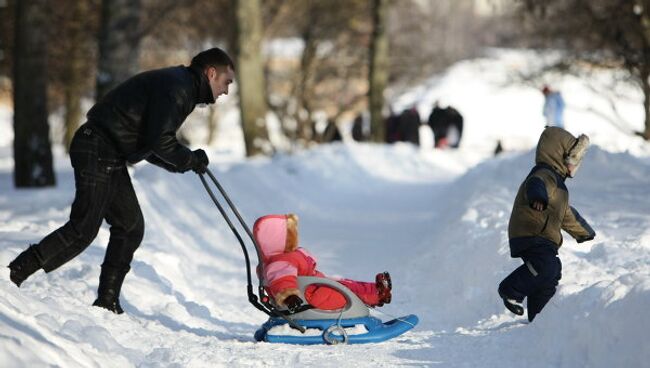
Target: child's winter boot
{"points": [[513, 305], [384, 287]]}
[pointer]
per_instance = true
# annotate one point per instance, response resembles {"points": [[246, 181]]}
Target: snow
{"points": [[437, 220]]}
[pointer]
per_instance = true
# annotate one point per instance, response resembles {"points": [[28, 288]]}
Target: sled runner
{"points": [[351, 324]]}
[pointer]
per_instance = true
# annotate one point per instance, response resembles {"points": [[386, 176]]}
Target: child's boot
{"points": [[513, 305], [384, 287]]}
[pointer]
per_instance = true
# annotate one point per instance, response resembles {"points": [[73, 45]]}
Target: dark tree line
{"points": [[64, 51], [61, 53], [71, 50]]}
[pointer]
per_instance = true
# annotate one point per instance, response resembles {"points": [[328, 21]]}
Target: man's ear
{"points": [[209, 72]]}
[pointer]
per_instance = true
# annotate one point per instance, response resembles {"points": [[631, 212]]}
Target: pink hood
{"points": [[270, 232]]}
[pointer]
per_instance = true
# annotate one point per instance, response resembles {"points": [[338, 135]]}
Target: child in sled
{"points": [[283, 261], [540, 211]]}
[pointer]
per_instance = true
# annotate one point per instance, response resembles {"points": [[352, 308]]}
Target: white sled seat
{"points": [[354, 307]]}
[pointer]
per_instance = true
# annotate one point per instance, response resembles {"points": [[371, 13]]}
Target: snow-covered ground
{"points": [[437, 220]]}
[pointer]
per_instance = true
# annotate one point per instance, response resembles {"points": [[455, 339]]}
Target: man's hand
{"points": [[293, 302], [537, 205], [200, 161]]}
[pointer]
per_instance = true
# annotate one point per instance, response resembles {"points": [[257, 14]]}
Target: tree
{"points": [[599, 33], [32, 151], [379, 69], [250, 74], [330, 72], [71, 59], [119, 43], [451, 29], [7, 18]]}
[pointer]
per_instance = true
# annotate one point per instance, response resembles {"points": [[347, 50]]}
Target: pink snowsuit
{"points": [[281, 269]]}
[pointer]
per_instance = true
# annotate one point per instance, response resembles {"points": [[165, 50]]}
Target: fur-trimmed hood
{"points": [[276, 234], [557, 148]]}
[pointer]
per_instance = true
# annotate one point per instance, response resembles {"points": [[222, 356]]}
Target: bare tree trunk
{"points": [[379, 69], [645, 83], [119, 43], [645, 68], [250, 71], [212, 124], [305, 126], [72, 114], [32, 150], [73, 73]]}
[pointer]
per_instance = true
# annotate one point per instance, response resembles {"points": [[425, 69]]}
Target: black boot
{"points": [[513, 305], [108, 293], [24, 265]]}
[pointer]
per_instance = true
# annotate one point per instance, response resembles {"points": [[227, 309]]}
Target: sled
{"points": [[331, 326], [351, 324]]}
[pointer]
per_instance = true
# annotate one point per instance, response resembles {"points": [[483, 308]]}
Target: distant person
{"points": [[409, 126], [454, 128], [498, 149], [540, 211], [553, 107], [136, 121], [447, 126], [284, 260], [358, 133], [392, 127], [331, 132], [437, 124]]}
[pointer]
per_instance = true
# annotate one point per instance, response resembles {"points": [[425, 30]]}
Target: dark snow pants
{"points": [[536, 279], [103, 192]]}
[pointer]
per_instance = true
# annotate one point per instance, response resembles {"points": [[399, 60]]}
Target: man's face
{"points": [[220, 79]]}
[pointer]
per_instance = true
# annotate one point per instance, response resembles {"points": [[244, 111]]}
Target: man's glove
{"points": [[293, 302], [201, 161]]}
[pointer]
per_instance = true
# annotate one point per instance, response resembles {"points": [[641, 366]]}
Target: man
{"points": [[135, 121], [553, 108]]}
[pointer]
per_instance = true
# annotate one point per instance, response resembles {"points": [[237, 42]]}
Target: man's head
{"points": [[217, 67]]}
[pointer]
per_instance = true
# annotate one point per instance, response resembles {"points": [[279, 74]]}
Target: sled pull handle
{"points": [[252, 298]]}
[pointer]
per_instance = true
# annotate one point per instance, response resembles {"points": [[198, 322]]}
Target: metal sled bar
{"points": [[252, 298], [354, 307]]}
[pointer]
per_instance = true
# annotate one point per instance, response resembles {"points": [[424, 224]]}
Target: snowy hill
{"points": [[437, 220]]}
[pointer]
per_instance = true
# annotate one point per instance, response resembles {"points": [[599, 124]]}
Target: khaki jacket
{"points": [[545, 184]]}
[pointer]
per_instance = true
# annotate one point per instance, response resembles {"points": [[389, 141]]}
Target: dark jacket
{"points": [[141, 115], [442, 121], [545, 184]]}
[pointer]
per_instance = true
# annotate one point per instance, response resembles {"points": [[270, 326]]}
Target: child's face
{"points": [[572, 169]]}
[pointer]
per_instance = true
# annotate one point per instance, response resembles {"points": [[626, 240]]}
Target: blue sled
{"points": [[378, 331]]}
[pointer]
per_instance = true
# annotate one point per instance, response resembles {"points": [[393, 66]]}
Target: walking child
{"points": [[540, 211]]}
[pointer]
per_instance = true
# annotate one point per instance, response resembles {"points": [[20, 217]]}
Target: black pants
{"points": [[103, 192], [536, 279]]}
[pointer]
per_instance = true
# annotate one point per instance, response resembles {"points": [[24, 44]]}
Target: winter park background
{"points": [[436, 219]]}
